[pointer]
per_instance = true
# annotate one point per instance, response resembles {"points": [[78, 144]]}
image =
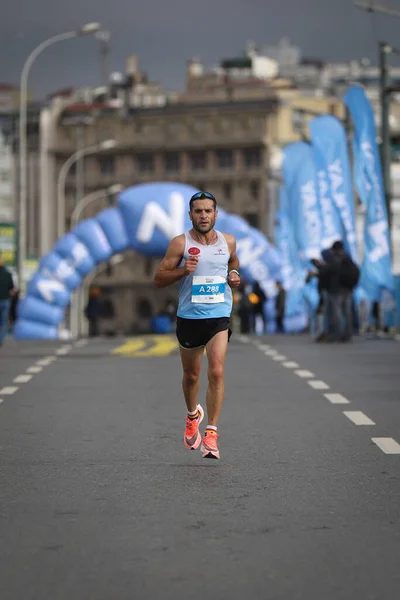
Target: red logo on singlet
{"points": [[194, 251]]}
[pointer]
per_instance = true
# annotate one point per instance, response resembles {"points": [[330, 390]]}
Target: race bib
{"points": [[208, 290]]}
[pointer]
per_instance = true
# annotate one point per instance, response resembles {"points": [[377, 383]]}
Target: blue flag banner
{"points": [[376, 274], [293, 273], [300, 177], [327, 143]]}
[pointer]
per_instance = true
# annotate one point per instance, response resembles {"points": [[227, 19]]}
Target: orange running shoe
{"points": [[192, 437], [209, 446]]}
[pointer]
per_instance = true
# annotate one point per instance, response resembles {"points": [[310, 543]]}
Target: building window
{"points": [[145, 163], [107, 165], [227, 190], [174, 128], [198, 160], [172, 161], [225, 159], [252, 157], [252, 219], [254, 189], [199, 126]]}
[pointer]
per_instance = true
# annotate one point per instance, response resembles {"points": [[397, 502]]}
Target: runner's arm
{"points": [[233, 262], [167, 272]]}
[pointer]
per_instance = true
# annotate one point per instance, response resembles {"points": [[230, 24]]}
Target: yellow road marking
{"points": [[130, 347], [151, 345]]}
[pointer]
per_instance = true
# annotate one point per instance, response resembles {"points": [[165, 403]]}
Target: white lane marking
{"points": [[22, 379], [1, 400], [50, 358], [7, 391], [318, 385], [387, 445], [81, 343], [279, 357], [34, 369], [304, 374], [62, 351], [271, 352], [336, 399], [44, 362], [358, 417], [264, 347], [291, 365], [244, 339]]}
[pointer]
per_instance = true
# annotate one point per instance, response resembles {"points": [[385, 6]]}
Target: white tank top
{"points": [[205, 293]]}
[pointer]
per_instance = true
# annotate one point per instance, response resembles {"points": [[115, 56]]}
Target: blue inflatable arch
{"points": [[145, 219]]}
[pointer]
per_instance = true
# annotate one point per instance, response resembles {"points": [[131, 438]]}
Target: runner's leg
{"points": [[191, 364], [216, 352]]}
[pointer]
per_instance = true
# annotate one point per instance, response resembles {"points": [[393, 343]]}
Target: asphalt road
{"points": [[101, 501]]}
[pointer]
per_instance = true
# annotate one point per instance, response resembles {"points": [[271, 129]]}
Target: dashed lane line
{"points": [[305, 374], [279, 357], [37, 368], [358, 417], [8, 390], [22, 378], [44, 362], [34, 369], [316, 384], [387, 445], [337, 399]]}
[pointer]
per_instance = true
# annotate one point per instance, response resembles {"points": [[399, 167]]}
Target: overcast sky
{"points": [[166, 33]]}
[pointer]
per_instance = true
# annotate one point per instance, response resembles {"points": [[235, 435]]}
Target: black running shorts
{"points": [[195, 333]]}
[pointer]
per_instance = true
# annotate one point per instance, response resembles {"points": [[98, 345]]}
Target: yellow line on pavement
{"points": [[130, 347], [150, 345]]}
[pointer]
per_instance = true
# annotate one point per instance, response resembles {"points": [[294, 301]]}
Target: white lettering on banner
{"points": [[312, 218], [53, 281], [330, 234], [102, 238], [80, 253], [337, 181], [378, 232], [249, 257], [65, 269], [287, 268], [373, 181], [46, 287], [154, 215]]}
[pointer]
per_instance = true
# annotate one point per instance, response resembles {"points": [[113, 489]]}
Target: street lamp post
{"points": [[87, 29], [275, 180], [62, 177], [77, 298], [86, 200]]}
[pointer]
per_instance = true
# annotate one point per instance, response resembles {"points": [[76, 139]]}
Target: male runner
{"points": [[203, 260]]}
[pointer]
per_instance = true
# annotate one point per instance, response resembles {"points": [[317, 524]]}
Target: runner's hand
{"points": [[234, 280], [190, 265]]}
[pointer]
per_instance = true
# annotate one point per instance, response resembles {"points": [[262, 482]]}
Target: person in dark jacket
{"points": [[280, 302], [6, 292], [93, 311], [258, 306], [342, 277]]}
